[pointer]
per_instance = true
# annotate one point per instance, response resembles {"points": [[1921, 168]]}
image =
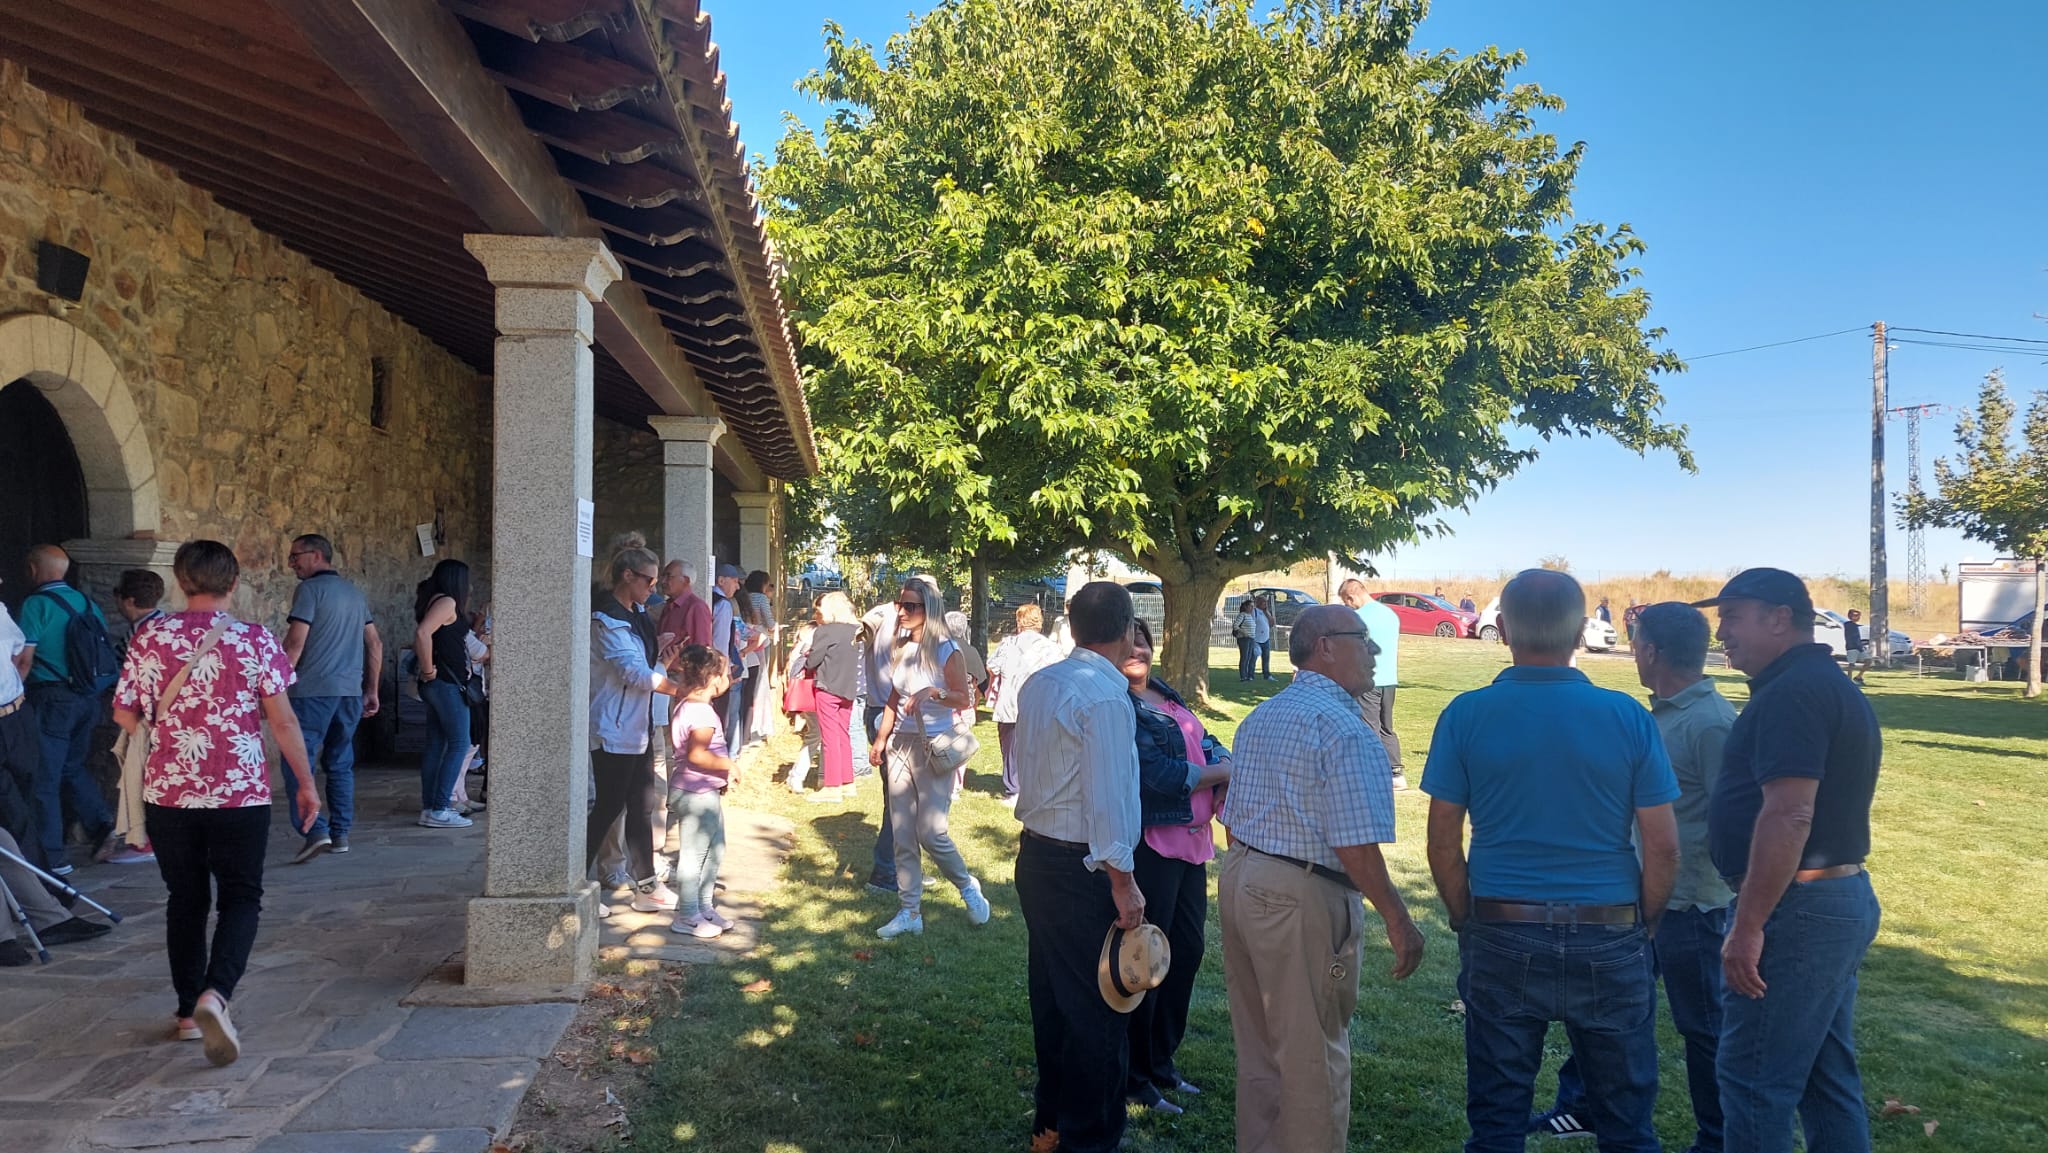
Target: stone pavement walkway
{"points": [[339, 1055]]}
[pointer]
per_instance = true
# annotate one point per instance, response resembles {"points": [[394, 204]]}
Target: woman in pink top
{"points": [[1180, 772], [206, 786]]}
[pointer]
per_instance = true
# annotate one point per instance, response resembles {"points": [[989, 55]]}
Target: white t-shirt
{"points": [[1262, 627], [12, 641], [908, 675]]}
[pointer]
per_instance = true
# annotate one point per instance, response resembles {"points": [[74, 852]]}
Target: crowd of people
{"points": [[1609, 846]]}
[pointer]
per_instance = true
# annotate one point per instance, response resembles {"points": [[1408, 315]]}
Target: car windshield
{"points": [[1441, 603]]}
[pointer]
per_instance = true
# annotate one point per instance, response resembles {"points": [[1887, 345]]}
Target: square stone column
{"points": [[757, 528], [536, 923], [686, 444]]}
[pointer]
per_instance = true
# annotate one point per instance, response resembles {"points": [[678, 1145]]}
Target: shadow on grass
{"points": [[1987, 750], [1963, 711]]}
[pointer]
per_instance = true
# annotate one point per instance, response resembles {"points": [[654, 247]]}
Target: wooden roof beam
{"points": [[415, 66]]}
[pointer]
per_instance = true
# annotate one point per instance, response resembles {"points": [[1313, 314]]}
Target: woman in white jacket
{"points": [[1013, 662]]}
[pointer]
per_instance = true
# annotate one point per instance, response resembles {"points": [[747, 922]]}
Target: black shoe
{"points": [[12, 955], [315, 845], [878, 884], [338, 843], [1561, 1124], [75, 929]]}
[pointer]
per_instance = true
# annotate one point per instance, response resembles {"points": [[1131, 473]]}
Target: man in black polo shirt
{"points": [[1789, 828]]}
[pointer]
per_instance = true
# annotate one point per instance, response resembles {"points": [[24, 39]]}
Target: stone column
{"points": [[686, 444], [757, 537], [536, 923]]}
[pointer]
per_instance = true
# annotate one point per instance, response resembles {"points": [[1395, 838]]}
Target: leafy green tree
{"points": [[1997, 495], [1209, 284]]}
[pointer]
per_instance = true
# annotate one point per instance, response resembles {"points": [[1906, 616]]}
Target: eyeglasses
{"points": [[910, 606], [650, 578], [297, 555]]}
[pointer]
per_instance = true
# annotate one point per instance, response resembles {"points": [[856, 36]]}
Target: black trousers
{"points": [[621, 788], [1082, 1044], [209, 857], [21, 758], [1176, 900]]}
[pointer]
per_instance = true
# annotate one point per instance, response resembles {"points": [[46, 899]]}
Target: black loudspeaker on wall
{"points": [[60, 271]]}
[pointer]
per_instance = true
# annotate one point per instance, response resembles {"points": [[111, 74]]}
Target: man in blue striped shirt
{"points": [[1310, 804]]}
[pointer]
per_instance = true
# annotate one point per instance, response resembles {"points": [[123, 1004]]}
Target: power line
{"points": [[1776, 343], [1973, 335], [2007, 349]]}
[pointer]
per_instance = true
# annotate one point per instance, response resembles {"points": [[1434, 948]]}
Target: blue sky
{"points": [[1795, 169]]}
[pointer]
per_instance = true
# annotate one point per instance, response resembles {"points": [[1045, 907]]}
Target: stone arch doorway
{"points": [[42, 487], [53, 370]]}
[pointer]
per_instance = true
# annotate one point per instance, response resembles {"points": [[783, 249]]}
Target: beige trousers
{"points": [[920, 806], [1291, 950]]}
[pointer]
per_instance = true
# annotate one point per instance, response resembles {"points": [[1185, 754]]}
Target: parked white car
{"points": [[1827, 630], [1599, 636]]}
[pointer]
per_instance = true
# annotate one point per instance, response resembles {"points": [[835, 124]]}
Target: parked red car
{"points": [[1428, 615]]}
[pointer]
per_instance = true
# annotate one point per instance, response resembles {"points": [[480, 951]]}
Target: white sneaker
{"points": [[903, 922], [444, 819], [717, 918], [977, 905], [217, 1030], [603, 910], [654, 897], [696, 927]]}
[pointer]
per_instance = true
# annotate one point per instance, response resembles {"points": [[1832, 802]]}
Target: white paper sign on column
{"points": [[426, 535], [586, 524]]}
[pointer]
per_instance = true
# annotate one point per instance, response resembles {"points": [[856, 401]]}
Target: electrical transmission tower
{"points": [[1916, 537]]}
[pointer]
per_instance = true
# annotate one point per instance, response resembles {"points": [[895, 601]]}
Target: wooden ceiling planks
{"points": [[231, 94], [594, 80]]}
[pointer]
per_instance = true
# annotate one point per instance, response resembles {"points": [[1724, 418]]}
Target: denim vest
{"points": [[1166, 775]]}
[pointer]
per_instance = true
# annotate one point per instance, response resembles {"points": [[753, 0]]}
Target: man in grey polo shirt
{"points": [[333, 644]]}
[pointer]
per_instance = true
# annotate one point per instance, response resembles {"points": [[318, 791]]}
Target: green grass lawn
{"points": [[924, 1044]]}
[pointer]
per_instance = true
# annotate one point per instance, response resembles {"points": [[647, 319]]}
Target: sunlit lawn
{"points": [[924, 1044]]}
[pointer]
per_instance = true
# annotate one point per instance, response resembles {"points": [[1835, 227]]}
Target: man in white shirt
{"points": [[20, 745], [1377, 703], [1076, 754]]}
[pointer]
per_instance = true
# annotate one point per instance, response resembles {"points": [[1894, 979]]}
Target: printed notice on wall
{"points": [[426, 535], [586, 523]]}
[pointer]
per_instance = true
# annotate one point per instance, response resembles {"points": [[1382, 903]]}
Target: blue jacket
{"points": [[1166, 774]]}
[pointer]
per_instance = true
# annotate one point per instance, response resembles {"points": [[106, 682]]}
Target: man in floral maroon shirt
{"points": [[206, 786]]}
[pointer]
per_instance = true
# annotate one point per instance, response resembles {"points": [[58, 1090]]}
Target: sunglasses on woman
{"points": [[910, 606]]}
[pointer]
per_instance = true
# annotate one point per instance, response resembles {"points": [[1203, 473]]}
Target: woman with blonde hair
{"points": [[834, 658], [927, 683]]}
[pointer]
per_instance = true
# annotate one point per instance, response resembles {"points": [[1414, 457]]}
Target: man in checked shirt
{"points": [[1310, 804]]}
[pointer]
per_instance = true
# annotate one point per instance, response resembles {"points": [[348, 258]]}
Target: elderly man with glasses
{"points": [[1310, 804]]}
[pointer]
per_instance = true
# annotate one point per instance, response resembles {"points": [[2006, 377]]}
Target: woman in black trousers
{"points": [[1181, 775]]}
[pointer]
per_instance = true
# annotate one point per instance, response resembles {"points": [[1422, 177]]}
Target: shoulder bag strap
{"points": [[177, 683]]}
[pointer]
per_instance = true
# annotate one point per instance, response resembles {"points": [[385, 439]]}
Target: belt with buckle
{"points": [[1324, 871], [14, 706], [1524, 913], [1804, 876], [1071, 846]]}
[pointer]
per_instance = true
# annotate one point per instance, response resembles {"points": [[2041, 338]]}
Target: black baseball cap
{"points": [[1772, 586]]}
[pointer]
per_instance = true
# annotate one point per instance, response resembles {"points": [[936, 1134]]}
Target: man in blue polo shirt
{"points": [[1789, 828], [1561, 779]]}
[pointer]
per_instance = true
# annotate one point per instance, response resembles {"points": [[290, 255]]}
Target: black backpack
{"points": [[88, 651]]}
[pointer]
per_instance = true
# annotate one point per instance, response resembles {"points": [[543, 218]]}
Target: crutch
{"points": [[64, 892], [19, 916]]}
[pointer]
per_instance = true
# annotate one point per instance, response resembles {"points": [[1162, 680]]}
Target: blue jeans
{"points": [[1795, 1048], [65, 720], [884, 872], [1597, 979], [1247, 658], [329, 725], [700, 835], [447, 741], [1688, 948]]}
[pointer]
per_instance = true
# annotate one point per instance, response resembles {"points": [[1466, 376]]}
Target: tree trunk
{"points": [[2034, 641], [1183, 660], [977, 616]]}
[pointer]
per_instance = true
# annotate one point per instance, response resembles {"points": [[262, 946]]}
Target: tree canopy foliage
{"points": [[1994, 493], [1211, 284]]}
